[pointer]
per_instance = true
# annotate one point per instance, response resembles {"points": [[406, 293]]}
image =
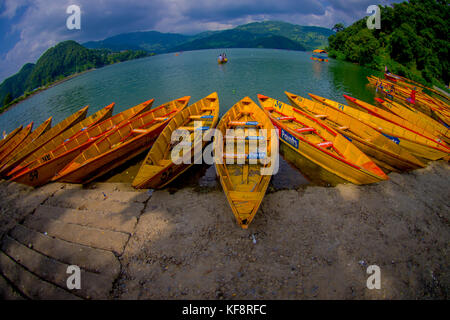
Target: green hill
{"points": [[267, 34], [58, 62], [412, 41]]}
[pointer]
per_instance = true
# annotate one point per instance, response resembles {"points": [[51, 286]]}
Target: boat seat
{"points": [[304, 130], [140, 131], [343, 128], [210, 117], [321, 116], [286, 118], [247, 138], [269, 108], [208, 109], [190, 128], [243, 123], [161, 119], [325, 144]]}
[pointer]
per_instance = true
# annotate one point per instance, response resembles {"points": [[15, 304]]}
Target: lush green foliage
{"points": [[412, 41], [56, 63]]}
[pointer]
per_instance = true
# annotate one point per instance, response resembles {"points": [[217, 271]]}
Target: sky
{"points": [[29, 27]]}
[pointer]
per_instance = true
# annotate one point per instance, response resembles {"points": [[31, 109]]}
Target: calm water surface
{"points": [[197, 74]]}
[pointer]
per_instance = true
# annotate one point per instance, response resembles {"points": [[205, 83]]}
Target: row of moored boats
{"points": [[358, 143]]}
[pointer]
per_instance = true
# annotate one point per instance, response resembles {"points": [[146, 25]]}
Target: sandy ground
{"points": [[309, 243]]}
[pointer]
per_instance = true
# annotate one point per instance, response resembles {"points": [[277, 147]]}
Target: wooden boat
{"points": [[158, 168], [418, 145], [43, 128], [417, 118], [43, 169], [426, 106], [242, 179], [313, 140], [121, 144], [10, 136], [383, 151], [43, 139], [16, 141], [97, 117], [389, 116]]}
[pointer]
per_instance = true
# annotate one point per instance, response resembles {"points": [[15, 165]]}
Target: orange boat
{"points": [[418, 118], [121, 144], [43, 139], [161, 166], [318, 147], [43, 128], [10, 136], [42, 170], [16, 141], [391, 117], [382, 150], [97, 117]]}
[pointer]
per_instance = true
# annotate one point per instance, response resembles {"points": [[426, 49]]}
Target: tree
{"points": [[8, 99], [338, 27]]}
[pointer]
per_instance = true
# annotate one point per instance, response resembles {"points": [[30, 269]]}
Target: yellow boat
{"points": [[389, 116], [159, 168], [97, 117], [121, 144], [10, 136], [420, 103], [43, 128], [418, 145], [43, 169], [241, 177], [383, 151], [417, 118], [311, 139], [16, 141], [43, 139], [222, 61]]}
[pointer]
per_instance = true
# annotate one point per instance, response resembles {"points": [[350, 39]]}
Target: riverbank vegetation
{"points": [[66, 59], [412, 42]]}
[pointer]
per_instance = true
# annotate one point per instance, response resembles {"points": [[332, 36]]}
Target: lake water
{"points": [[197, 74]]}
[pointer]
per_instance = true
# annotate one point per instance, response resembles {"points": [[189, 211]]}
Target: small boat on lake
{"points": [[320, 55]]}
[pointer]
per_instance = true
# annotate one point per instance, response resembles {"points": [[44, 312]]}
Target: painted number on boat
{"points": [[289, 138], [278, 104], [33, 175], [340, 106]]}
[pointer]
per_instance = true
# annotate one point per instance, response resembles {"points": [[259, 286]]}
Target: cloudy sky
{"points": [[29, 27]]}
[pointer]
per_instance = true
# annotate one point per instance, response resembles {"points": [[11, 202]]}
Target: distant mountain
{"points": [[267, 34], [153, 41], [62, 60], [235, 38]]}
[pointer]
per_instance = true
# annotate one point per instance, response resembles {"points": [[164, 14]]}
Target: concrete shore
{"points": [[309, 243]]}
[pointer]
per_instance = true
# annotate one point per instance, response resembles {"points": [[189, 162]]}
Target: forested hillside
{"points": [[412, 41]]}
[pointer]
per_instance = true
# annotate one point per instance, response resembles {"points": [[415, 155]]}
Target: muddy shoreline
{"points": [[306, 243]]}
